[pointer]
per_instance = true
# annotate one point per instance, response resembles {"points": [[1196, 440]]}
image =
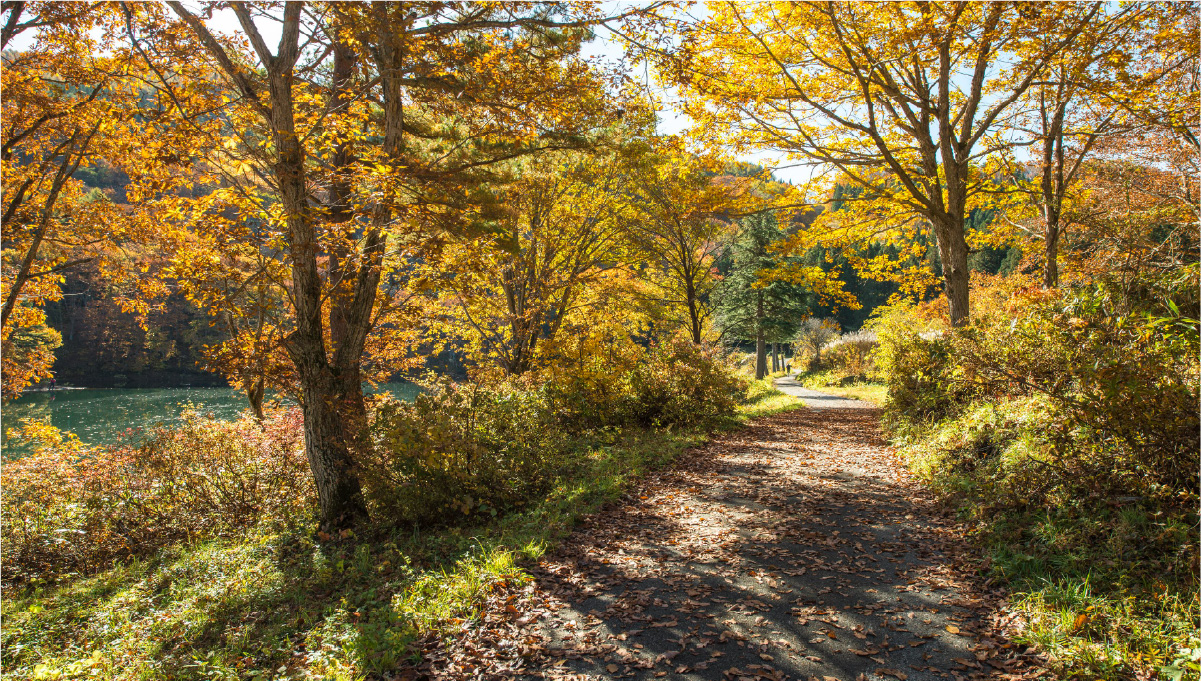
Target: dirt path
{"points": [[796, 548]]}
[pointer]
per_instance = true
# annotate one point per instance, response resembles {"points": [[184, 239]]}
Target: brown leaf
{"points": [[897, 673], [612, 668]]}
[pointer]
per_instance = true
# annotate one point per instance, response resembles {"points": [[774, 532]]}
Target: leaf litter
{"points": [[743, 562]]}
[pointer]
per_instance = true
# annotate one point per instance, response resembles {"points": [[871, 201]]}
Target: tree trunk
{"points": [[1051, 237], [952, 250], [326, 445], [694, 314], [255, 389], [1052, 182], [760, 342], [330, 393]]}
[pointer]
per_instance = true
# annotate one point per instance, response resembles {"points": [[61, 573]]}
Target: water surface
{"points": [[104, 415]]}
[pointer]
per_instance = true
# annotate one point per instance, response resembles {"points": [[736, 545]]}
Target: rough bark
{"points": [[327, 396], [694, 312], [952, 250]]}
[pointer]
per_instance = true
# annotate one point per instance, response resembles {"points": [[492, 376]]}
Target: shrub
{"points": [[457, 451], [1124, 379], [69, 508], [913, 356], [672, 383], [682, 384], [851, 353], [812, 335]]}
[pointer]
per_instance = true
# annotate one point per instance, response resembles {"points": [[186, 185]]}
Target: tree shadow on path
{"points": [[795, 548]]}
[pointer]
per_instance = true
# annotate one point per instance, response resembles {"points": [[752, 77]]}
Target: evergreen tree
{"points": [[747, 309]]}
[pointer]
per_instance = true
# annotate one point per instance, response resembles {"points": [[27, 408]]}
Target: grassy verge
{"points": [[1106, 586], [832, 381], [276, 604]]}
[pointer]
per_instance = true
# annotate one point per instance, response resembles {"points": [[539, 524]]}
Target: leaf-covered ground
{"points": [[796, 548]]}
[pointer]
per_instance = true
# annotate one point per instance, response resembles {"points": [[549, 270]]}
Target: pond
{"points": [[100, 416]]}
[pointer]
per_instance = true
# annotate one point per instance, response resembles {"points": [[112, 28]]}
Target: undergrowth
{"points": [[274, 602], [1106, 584], [1077, 476]]}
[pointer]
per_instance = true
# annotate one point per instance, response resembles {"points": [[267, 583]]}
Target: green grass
{"points": [[270, 604], [1107, 586], [764, 400]]}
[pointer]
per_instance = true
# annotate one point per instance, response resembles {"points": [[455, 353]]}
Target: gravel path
{"points": [[797, 548]]}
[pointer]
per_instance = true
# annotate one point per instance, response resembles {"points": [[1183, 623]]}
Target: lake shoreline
{"points": [[108, 416]]}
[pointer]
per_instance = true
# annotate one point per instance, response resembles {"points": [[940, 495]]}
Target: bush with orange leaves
{"points": [[68, 508]]}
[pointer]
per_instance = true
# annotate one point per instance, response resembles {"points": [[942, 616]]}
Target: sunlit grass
{"points": [[268, 604], [830, 381], [1107, 588]]}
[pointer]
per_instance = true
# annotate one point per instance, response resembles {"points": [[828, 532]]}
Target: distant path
{"points": [[796, 548], [818, 400]]}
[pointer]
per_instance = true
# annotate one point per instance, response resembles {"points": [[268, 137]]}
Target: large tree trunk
{"points": [[326, 444], [694, 314], [952, 250], [255, 389], [760, 342], [330, 392]]}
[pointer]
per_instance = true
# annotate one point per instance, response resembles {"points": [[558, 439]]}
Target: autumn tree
{"points": [[1120, 85], [554, 264], [71, 101], [678, 217], [903, 99], [364, 136]]}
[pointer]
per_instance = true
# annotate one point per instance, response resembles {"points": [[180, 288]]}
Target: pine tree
{"points": [[748, 308]]}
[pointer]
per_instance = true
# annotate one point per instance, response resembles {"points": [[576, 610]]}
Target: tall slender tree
{"points": [[750, 307]]}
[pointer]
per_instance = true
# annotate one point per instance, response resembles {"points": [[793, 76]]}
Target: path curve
{"points": [[818, 400], [796, 548]]}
